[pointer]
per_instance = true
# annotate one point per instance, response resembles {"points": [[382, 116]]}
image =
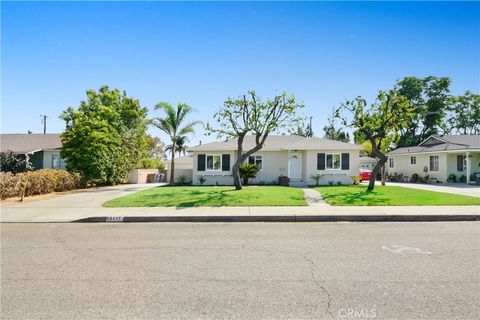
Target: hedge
{"points": [[37, 182]]}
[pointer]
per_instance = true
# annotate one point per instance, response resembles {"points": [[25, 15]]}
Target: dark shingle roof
{"points": [[25, 143], [446, 142], [277, 143]]}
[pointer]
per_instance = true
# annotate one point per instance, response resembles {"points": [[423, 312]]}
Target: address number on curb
{"points": [[114, 219]]}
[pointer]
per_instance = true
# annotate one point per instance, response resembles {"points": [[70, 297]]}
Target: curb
{"points": [[289, 218]]}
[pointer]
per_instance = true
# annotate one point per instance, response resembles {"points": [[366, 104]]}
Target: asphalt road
{"points": [[241, 271]]}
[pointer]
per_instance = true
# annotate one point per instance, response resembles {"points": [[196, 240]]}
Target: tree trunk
{"points": [[236, 167], [236, 176], [383, 175], [172, 166], [376, 170]]}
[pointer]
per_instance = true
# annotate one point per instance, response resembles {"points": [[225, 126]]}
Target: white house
{"points": [[439, 156], [42, 150], [291, 156]]}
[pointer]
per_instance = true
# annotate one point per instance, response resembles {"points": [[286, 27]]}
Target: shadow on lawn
{"points": [[364, 198], [192, 198]]}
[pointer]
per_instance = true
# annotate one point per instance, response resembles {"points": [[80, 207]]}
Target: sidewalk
{"points": [[86, 206]]}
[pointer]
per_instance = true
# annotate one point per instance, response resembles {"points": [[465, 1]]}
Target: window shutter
{"points": [[320, 161], [225, 162], [251, 160], [460, 163], [345, 161], [431, 163], [201, 162]]}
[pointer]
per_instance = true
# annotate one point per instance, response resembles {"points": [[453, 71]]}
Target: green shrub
{"points": [[182, 180], [415, 178], [355, 179], [452, 178], [247, 171], [462, 179], [202, 180], [316, 177], [37, 182]]}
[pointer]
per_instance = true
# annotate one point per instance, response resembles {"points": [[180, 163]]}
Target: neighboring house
{"points": [[42, 150], [367, 162], [183, 167], [438, 156], [295, 157]]}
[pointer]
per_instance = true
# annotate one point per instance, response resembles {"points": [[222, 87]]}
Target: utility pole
{"points": [[44, 122], [311, 130]]}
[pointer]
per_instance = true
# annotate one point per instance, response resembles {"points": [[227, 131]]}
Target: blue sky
{"points": [[202, 52]]}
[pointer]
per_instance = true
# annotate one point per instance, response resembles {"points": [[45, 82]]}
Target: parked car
{"points": [[365, 174]]}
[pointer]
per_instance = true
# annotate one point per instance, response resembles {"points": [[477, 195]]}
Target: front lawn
{"points": [[211, 197], [390, 196]]}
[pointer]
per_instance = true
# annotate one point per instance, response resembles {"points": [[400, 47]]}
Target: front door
{"points": [[295, 166]]}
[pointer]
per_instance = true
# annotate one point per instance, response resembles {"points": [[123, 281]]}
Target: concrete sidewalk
{"points": [[87, 206]]}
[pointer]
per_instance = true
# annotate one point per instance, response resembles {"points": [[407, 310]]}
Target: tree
{"points": [[180, 147], [429, 97], [302, 129], [465, 114], [105, 137], [332, 132], [380, 123], [175, 126], [14, 163], [154, 147], [248, 171], [247, 114]]}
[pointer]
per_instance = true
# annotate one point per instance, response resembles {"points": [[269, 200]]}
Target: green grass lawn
{"points": [[390, 196], [211, 196]]}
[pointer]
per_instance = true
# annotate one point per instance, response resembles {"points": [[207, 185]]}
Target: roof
{"points": [[27, 143], [439, 143], [367, 159], [278, 143]]}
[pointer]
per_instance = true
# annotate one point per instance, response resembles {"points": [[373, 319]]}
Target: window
{"points": [[214, 162], [55, 161], [391, 162], [413, 160], [256, 160], [433, 163], [333, 160]]}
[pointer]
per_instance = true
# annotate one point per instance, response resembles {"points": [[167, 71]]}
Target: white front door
{"points": [[295, 166]]}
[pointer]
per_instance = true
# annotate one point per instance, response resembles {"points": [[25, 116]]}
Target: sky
{"points": [[201, 53]]}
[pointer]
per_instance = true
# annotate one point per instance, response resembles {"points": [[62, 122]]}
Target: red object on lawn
{"points": [[365, 174]]}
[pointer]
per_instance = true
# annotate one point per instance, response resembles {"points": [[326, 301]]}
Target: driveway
{"points": [[70, 206], [455, 188]]}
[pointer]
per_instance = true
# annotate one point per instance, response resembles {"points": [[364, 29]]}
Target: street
{"points": [[240, 271]]}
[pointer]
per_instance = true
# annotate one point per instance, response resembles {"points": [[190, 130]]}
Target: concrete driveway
{"points": [[70, 206], [455, 188]]}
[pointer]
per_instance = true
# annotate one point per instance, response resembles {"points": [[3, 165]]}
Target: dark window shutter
{"points": [[201, 162], [345, 161], [225, 162], [251, 160], [460, 163], [320, 161]]}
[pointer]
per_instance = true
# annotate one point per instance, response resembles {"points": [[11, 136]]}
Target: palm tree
{"points": [[181, 146], [173, 124]]}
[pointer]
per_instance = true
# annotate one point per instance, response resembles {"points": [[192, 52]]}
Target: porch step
{"points": [[298, 184]]}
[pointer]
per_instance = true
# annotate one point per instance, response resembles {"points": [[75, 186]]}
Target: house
{"points": [[183, 167], [367, 162], [292, 156], [439, 156], [42, 150]]}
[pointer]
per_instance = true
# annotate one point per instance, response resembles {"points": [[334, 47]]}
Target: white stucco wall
{"points": [[343, 176], [402, 165], [275, 164]]}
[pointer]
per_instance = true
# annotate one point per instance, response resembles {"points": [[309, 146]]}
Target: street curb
{"points": [[289, 218]]}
